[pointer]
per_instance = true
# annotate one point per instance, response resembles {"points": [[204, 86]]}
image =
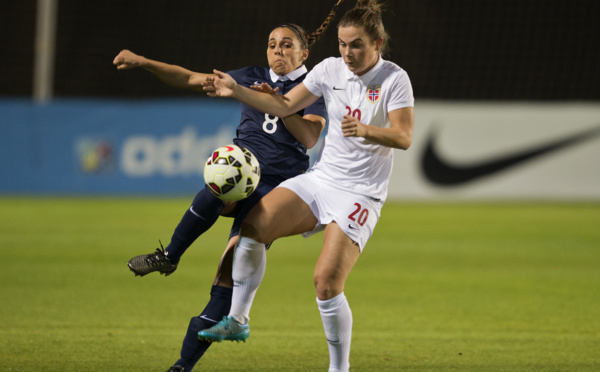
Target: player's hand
{"points": [[264, 88], [126, 60], [219, 85], [351, 127]]}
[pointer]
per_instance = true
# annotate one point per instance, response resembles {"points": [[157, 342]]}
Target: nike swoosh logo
{"points": [[209, 319], [336, 88], [194, 212], [441, 172]]}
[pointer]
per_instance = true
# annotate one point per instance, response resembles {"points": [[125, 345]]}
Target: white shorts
{"points": [[355, 214]]}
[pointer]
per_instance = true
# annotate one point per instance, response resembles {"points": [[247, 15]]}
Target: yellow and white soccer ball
{"points": [[232, 173]]}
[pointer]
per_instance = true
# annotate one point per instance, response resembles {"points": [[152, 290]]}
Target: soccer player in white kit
{"points": [[370, 107]]}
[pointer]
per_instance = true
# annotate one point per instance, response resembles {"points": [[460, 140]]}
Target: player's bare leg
{"points": [[280, 213], [337, 258]]}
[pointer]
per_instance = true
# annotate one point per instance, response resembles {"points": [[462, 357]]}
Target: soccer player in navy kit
{"points": [[279, 145]]}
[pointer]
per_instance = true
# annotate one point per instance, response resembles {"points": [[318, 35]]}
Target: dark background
{"points": [[458, 50]]}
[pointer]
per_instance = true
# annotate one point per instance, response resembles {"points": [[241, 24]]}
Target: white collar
{"points": [[291, 76], [366, 78]]}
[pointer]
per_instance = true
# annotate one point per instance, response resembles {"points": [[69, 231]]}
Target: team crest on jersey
{"points": [[373, 93]]}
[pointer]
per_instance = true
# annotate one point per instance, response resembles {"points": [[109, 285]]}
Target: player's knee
{"points": [[249, 230], [255, 232], [326, 287]]}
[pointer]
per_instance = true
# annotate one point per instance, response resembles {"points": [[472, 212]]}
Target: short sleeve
{"points": [[402, 92], [314, 79]]}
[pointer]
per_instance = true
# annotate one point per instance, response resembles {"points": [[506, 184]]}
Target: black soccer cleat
{"points": [[176, 368], [147, 263]]}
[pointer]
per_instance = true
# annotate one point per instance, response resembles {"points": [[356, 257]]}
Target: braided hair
{"points": [[308, 40]]}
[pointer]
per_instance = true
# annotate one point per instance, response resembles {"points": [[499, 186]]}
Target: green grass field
{"points": [[440, 287]]}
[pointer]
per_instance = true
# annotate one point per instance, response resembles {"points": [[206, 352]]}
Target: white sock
{"points": [[249, 265], [337, 321]]}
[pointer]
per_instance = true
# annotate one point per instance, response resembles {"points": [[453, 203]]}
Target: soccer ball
{"points": [[231, 173]]}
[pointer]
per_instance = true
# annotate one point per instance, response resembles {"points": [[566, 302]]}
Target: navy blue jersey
{"points": [[278, 152]]}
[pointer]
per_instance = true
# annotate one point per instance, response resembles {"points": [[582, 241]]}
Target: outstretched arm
{"points": [[223, 85], [172, 75]]}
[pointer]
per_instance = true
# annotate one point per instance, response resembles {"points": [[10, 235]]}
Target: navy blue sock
{"points": [[204, 212], [218, 307]]}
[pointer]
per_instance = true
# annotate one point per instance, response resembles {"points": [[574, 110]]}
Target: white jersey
{"points": [[354, 163]]}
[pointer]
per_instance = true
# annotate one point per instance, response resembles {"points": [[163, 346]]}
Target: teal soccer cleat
{"points": [[227, 329]]}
